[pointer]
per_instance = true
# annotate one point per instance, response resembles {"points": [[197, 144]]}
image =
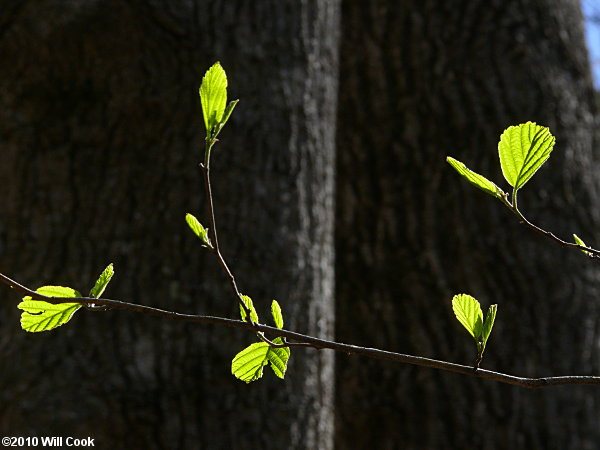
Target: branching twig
{"points": [[302, 340], [317, 343]]}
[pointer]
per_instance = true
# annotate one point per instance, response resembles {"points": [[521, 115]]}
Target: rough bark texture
{"points": [[101, 134], [421, 80]]}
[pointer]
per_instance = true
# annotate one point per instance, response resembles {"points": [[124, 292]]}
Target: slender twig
{"points": [[215, 249], [591, 252], [317, 343], [285, 343]]}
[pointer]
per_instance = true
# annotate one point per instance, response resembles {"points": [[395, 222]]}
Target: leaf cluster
{"points": [[248, 364], [39, 315]]}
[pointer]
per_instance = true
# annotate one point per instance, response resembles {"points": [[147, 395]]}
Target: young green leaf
{"points": [[474, 178], [578, 241], [248, 364], [102, 282], [490, 317], [213, 96], [278, 358], [523, 149], [276, 313], [39, 315], [228, 111], [226, 115], [248, 302], [198, 229], [468, 312]]}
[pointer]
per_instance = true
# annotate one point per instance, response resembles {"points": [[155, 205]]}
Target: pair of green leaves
{"points": [[213, 97], [468, 312], [522, 150], [248, 364], [39, 315]]}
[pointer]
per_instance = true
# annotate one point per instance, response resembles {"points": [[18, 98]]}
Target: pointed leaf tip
{"points": [[198, 229], [102, 282], [474, 178], [277, 314], [488, 324]]}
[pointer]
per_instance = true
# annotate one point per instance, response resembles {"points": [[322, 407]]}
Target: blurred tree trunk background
{"points": [[421, 80], [101, 132]]}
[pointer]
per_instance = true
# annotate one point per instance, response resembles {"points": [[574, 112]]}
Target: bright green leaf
{"points": [[474, 178], [228, 111], [226, 115], [248, 302], [523, 149], [102, 282], [197, 228], [578, 241], [213, 96], [278, 358], [248, 364], [490, 317], [276, 313], [469, 314], [42, 316]]}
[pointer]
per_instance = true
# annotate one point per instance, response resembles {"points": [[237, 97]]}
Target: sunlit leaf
{"points": [[225, 118], [43, 316], [474, 178], [469, 314], [523, 149], [213, 96], [278, 358], [197, 228], [248, 302], [578, 241], [490, 317], [248, 364], [276, 313], [102, 282]]}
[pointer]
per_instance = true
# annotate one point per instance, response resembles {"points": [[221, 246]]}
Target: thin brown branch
{"points": [[215, 249], [305, 340], [591, 252]]}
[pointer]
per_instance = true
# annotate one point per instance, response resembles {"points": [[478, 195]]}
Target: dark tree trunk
{"points": [[101, 135], [421, 80]]}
